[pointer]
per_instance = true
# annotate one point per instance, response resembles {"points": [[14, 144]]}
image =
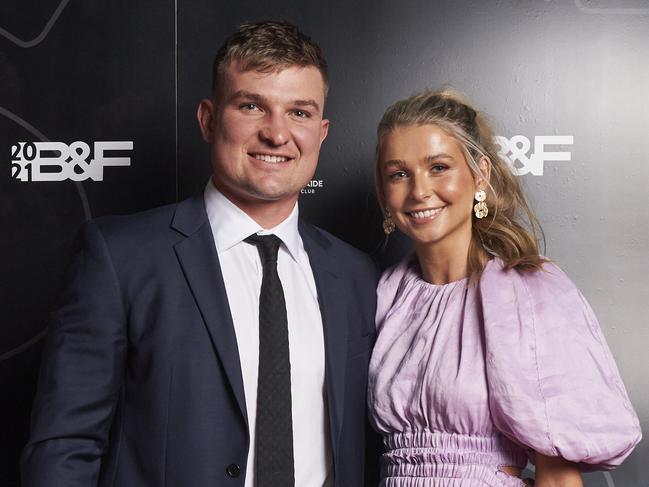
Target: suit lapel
{"points": [[198, 258], [331, 297], [199, 261]]}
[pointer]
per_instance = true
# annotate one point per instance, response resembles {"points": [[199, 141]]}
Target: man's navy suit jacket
{"points": [[141, 382]]}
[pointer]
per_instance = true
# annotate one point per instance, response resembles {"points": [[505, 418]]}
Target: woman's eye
{"points": [[397, 175], [438, 168]]}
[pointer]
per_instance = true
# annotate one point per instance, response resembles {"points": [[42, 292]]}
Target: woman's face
{"points": [[427, 185]]}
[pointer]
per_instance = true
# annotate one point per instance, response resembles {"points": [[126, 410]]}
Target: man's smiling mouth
{"points": [[270, 158]]}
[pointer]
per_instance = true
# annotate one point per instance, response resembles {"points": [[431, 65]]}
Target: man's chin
{"points": [[274, 190], [267, 195]]}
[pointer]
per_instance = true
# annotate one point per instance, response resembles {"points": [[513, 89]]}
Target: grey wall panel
{"points": [[538, 68], [72, 71]]}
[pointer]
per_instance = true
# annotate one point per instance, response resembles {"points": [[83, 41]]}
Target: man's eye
{"points": [[249, 107], [302, 114]]}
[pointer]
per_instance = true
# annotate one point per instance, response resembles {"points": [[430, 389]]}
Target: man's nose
{"points": [[275, 131]]}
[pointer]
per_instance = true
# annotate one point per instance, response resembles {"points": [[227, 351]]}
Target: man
{"points": [[177, 357]]}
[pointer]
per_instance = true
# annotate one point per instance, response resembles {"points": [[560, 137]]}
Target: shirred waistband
{"points": [[414, 451], [448, 442]]}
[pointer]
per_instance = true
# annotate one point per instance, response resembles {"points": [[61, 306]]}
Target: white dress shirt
{"points": [[242, 273]]}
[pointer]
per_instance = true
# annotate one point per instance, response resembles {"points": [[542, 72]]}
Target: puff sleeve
{"points": [[553, 384]]}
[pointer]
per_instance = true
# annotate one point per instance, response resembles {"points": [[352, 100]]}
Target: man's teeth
{"points": [[425, 213], [273, 159]]}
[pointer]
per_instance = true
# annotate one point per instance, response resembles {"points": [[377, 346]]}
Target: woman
{"points": [[487, 354]]}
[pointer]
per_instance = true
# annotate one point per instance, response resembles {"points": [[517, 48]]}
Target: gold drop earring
{"points": [[388, 224], [480, 209]]}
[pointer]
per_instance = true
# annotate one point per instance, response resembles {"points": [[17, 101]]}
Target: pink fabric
{"points": [[465, 378]]}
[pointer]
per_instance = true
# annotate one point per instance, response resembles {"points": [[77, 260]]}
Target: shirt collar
{"points": [[231, 225]]}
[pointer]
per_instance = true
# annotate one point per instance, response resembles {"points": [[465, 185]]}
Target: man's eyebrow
{"points": [[307, 103], [247, 95], [256, 97]]}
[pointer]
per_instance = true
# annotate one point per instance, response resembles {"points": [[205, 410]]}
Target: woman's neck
{"points": [[444, 262]]}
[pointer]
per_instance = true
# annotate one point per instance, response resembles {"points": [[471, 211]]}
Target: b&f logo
{"points": [[56, 161], [515, 152]]}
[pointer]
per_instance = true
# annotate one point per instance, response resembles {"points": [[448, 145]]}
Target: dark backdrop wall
{"points": [[133, 73]]}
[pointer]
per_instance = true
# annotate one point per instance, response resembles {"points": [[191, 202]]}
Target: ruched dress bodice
{"points": [[431, 388]]}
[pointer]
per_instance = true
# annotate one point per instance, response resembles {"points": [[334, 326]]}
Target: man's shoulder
{"points": [[135, 221], [344, 252], [150, 226]]}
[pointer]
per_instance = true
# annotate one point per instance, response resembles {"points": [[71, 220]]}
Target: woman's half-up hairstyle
{"points": [[510, 230]]}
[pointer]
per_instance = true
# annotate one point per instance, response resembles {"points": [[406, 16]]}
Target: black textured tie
{"points": [[274, 446]]}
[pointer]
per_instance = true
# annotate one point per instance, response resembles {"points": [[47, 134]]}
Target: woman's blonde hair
{"points": [[510, 230]]}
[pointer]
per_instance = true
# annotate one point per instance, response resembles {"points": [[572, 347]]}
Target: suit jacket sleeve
{"points": [[81, 373]]}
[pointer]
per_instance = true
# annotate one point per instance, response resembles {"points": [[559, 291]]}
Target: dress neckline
{"points": [[414, 270]]}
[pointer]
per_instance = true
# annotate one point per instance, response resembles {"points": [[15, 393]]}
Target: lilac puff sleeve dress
{"points": [[467, 378]]}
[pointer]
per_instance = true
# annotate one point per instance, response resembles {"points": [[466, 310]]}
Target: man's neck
{"points": [[268, 214]]}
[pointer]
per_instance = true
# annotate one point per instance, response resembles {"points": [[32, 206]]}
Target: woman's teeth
{"points": [[426, 213]]}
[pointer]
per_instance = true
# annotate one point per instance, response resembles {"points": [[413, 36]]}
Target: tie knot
{"points": [[267, 245]]}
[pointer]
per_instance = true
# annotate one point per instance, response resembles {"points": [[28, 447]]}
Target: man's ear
{"points": [[324, 129], [205, 117]]}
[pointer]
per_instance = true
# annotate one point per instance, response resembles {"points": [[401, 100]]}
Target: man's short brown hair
{"points": [[268, 46]]}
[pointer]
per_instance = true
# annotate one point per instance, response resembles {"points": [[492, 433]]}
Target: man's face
{"points": [[266, 130]]}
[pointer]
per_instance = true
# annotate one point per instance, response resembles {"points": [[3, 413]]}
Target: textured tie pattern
{"points": [[274, 445]]}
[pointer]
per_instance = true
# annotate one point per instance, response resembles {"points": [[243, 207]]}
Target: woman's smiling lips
{"points": [[424, 215]]}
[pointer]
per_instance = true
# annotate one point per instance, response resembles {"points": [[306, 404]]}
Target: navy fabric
{"points": [[141, 382]]}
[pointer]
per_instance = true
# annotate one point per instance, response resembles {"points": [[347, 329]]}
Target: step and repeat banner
{"points": [[97, 117]]}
